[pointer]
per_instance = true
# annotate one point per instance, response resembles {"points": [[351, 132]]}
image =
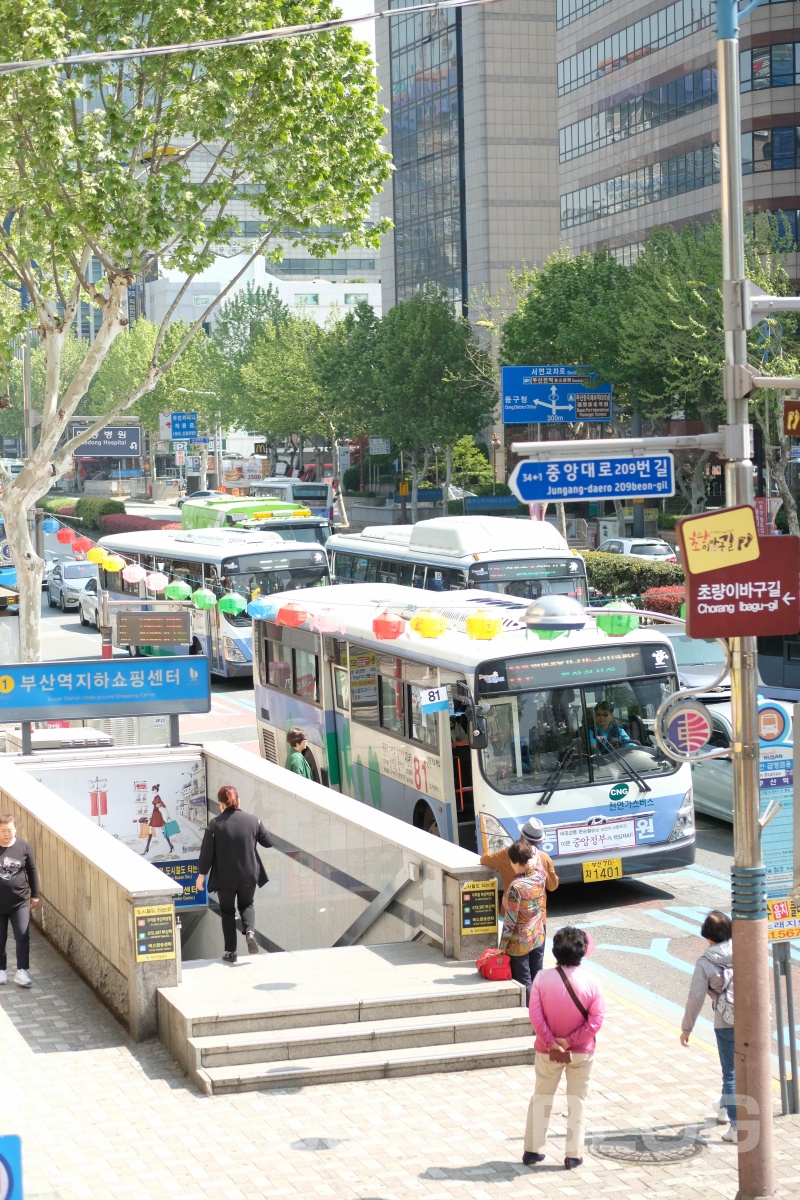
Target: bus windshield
{"points": [[546, 738], [531, 578], [264, 574]]}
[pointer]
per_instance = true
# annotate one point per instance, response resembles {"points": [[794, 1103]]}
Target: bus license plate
{"points": [[602, 869]]}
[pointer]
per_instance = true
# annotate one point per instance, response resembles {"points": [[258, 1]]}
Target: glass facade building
{"points": [[428, 146]]}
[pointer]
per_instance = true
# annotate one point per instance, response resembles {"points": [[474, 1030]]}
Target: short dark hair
{"points": [[295, 736], [569, 946], [7, 819], [717, 927], [605, 707], [228, 796], [520, 852]]}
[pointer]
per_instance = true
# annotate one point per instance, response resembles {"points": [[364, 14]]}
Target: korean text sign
{"points": [[116, 687], [553, 395], [748, 599], [716, 540], [594, 478]]}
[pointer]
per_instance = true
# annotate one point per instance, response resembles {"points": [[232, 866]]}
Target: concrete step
{"points": [[386, 1064], [457, 998], [450, 1028]]}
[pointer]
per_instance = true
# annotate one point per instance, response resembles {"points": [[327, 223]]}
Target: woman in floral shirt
{"points": [[523, 924]]}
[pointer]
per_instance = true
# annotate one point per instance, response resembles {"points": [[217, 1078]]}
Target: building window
{"points": [[770, 149], [427, 145], [319, 268], [659, 181], [770, 66], [568, 11], [653, 108], [356, 297], [660, 29], [306, 298]]}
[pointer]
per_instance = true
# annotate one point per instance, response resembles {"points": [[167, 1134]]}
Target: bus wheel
{"points": [[424, 818]]}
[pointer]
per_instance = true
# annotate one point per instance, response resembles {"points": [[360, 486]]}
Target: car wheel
{"points": [[63, 605], [82, 617], [50, 601], [96, 621]]}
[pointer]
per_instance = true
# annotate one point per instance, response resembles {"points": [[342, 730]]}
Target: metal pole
{"points": [[794, 1089], [218, 452], [753, 1034], [776, 983]]}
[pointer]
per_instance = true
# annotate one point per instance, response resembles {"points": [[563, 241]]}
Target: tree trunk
{"points": [[15, 507], [698, 485], [416, 478], [562, 520], [448, 477]]}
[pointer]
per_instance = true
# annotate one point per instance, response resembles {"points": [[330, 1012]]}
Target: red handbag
{"points": [[494, 965]]}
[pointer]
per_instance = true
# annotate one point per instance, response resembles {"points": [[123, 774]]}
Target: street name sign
{"points": [[114, 441], [115, 687], [553, 395], [594, 478], [747, 599]]}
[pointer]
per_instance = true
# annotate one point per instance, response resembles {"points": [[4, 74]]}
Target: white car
{"points": [[89, 603], [713, 780], [67, 581], [653, 549], [699, 662]]}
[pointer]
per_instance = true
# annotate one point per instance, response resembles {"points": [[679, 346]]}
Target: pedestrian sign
{"points": [[10, 1168], [594, 478]]}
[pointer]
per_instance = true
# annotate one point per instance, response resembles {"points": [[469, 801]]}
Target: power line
{"points": [[242, 39]]}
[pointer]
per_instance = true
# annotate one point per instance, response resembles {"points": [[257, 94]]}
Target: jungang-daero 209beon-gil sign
{"points": [[594, 478]]}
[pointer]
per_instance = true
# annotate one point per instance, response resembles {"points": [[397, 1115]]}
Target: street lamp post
{"points": [[495, 444]]}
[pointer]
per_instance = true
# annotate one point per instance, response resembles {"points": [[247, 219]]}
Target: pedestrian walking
{"points": [[566, 1010], [229, 853], [19, 893], [295, 759], [523, 925], [713, 976]]}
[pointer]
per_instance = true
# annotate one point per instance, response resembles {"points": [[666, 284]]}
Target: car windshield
{"points": [[660, 550], [84, 570], [558, 738], [696, 652]]}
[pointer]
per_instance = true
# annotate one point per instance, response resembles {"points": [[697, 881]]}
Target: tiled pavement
{"points": [[102, 1117]]}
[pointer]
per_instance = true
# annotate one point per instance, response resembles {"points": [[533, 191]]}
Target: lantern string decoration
{"points": [[50, 525], [617, 623], [204, 598], [156, 581], [481, 627], [66, 535], [325, 620], [428, 624], [133, 573], [388, 628], [177, 589], [291, 615], [232, 603], [95, 555], [262, 609], [113, 563]]}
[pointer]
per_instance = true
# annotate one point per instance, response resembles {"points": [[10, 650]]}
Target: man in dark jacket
{"points": [[229, 852]]}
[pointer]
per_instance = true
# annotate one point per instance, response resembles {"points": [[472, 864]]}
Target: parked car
{"points": [[89, 603], [654, 549], [713, 780], [204, 495], [67, 581], [699, 662]]}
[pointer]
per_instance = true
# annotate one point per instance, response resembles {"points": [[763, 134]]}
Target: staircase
{"points": [[456, 1023]]}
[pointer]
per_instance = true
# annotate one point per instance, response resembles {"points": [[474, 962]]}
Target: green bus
{"points": [[293, 522]]}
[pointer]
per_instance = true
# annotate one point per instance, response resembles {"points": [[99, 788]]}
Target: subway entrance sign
{"points": [[747, 599], [608, 478]]}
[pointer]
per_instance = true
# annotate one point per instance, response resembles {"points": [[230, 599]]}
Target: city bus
{"points": [[496, 554], [248, 562], [292, 521], [469, 739], [316, 496]]}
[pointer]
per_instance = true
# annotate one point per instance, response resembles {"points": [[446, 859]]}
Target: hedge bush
{"points": [[667, 520], [91, 508], [55, 504], [622, 575], [66, 510], [667, 600], [126, 523]]}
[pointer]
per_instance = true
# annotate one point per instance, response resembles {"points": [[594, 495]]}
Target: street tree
{"points": [[111, 170], [347, 370]]}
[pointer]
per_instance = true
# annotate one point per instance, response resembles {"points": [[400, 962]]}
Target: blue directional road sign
{"points": [[595, 478], [113, 687], [184, 426], [553, 395], [114, 441], [10, 1168]]}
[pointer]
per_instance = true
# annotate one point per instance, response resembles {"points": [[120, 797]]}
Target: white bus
{"points": [[497, 554], [516, 738], [251, 563], [316, 496]]}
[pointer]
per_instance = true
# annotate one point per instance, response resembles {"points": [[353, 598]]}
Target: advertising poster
{"points": [[157, 808]]}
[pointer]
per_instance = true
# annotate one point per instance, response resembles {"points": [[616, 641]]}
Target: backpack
{"points": [[723, 994], [494, 965]]}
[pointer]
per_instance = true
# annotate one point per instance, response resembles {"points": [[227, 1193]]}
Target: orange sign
{"points": [[717, 540], [791, 418]]}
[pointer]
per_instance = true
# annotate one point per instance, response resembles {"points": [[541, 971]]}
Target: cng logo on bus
{"points": [[619, 791]]}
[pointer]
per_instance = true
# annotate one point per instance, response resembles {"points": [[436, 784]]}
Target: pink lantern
{"points": [[326, 621], [133, 573], [156, 582]]}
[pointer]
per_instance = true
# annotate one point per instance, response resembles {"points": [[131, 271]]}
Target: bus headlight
{"points": [[493, 835], [684, 819], [232, 651]]}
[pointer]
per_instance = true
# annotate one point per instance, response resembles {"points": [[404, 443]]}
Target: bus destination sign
{"points": [[156, 627]]}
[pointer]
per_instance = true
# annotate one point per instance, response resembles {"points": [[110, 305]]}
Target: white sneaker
{"points": [[730, 1134], [22, 978], [721, 1114], [3, 976]]}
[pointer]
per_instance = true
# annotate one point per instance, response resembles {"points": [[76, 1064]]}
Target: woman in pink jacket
{"points": [[566, 1010]]}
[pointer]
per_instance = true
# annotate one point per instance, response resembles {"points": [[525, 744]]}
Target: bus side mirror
{"points": [[478, 734]]}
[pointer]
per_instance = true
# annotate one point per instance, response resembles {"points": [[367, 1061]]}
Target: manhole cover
{"points": [[313, 1143], [649, 1147]]}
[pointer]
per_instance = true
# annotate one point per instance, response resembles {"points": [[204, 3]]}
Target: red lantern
{"points": [[291, 615], [66, 536], [82, 544], [388, 628]]}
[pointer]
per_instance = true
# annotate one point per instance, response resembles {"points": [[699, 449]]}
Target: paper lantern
{"points": [[262, 609], [233, 603], [156, 581], [113, 563], [133, 573], [326, 620], [96, 554], [546, 635], [204, 598], [618, 623], [50, 525], [481, 627], [292, 615], [388, 628], [66, 536], [429, 624], [178, 589]]}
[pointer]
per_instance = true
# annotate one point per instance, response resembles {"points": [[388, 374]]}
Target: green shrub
{"points": [[91, 508], [54, 504], [622, 575], [667, 520]]}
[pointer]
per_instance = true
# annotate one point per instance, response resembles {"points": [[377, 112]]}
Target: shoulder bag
{"points": [[556, 1053]]}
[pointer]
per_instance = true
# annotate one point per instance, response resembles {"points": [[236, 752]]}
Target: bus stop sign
{"points": [[748, 599]]}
